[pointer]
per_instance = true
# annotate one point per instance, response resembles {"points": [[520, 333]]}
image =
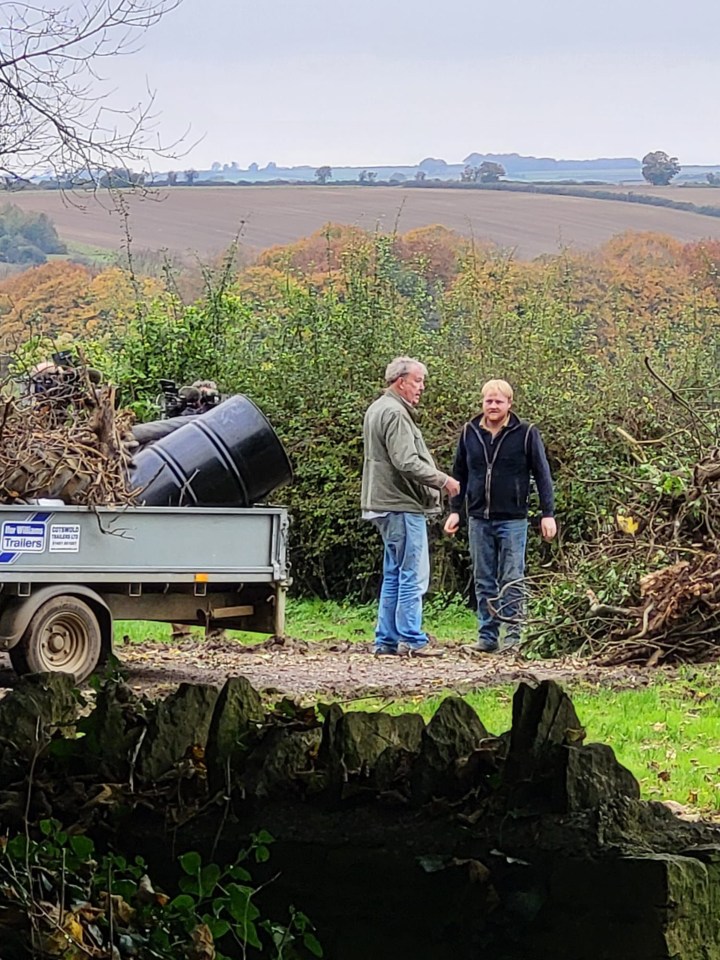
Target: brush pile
{"points": [[674, 616], [64, 439], [677, 620]]}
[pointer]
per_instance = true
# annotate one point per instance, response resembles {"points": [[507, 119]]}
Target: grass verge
{"points": [[326, 620], [667, 734]]}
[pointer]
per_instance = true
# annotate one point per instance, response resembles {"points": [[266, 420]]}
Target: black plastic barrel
{"points": [[229, 456]]}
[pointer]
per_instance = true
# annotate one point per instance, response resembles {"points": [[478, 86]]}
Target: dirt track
{"points": [[205, 219], [342, 670]]}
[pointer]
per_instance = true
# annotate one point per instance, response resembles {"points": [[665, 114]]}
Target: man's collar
{"points": [[408, 406]]}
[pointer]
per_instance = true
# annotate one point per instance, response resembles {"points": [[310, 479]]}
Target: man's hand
{"points": [[452, 486], [451, 524], [548, 528]]}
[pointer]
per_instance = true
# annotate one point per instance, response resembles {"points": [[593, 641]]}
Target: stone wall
{"points": [[400, 839]]}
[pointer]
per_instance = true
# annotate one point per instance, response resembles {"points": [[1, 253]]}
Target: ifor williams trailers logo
{"points": [[24, 536]]}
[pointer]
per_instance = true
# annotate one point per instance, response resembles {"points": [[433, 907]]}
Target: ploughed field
{"points": [[204, 220]]}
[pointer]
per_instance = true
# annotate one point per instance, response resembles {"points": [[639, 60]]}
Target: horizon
{"points": [[314, 85], [451, 163], [606, 163]]}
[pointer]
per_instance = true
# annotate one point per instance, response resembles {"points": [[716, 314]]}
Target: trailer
{"points": [[67, 572]]}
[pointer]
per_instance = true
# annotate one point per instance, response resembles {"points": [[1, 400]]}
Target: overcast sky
{"points": [[363, 82]]}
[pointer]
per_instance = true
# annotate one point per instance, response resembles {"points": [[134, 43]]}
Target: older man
{"points": [[401, 487]]}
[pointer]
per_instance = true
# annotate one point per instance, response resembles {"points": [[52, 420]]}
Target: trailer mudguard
{"points": [[18, 612]]}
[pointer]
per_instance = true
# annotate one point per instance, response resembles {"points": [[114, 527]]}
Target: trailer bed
{"points": [[63, 543], [64, 567]]}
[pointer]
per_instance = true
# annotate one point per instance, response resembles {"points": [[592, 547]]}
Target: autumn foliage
{"points": [[65, 301], [307, 329]]}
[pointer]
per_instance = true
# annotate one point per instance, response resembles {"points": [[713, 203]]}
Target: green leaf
{"points": [[241, 906], [209, 878], [124, 888], [160, 940], [182, 903], [62, 749], [191, 862], [250, 935], [239, 899], [264, 837], [313, 944], [189, 885], [82, 846], [262, 854], [673, 485], [17, 847], [218, 927]]}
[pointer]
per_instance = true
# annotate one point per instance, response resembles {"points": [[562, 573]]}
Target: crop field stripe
{"points": [[204, 220]]}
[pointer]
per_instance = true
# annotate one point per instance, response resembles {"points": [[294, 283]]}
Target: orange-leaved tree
{"points": [[49, 300], [68, 300]]}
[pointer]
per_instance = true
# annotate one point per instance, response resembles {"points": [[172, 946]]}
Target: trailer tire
{"points": [[62, 636]]}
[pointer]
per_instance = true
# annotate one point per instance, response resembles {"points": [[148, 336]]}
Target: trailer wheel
{"points": [[63, 635]]}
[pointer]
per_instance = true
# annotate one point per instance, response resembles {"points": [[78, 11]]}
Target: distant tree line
{"points": [[27, 237], [658, 169]]}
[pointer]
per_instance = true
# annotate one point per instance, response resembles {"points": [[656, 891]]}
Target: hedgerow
{"points": [[577, 335]]}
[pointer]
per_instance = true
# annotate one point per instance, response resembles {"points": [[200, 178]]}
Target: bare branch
{"points": [[54, 113]]}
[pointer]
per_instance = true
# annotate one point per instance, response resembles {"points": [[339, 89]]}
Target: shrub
{"points": [[570, 332]]}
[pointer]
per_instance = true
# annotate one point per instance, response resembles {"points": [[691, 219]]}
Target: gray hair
{"points": [[400, 367]]}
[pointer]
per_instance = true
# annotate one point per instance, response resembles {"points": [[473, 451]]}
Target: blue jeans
{"points": [[406, 576], [497, 550]]}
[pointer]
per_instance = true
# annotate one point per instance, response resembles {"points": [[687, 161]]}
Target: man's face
{"points": [[411, 385], [496, 407]]}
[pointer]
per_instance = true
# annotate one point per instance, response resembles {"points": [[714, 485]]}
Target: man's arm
{"points": [[460, 472], [400, 445], [543, 478], [540, 469]]}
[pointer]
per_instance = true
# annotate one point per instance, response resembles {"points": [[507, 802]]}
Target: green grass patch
{"points": [[447, 619], [102, 256], [325, 620], [142, 631], [138, 631], [667, 734]]}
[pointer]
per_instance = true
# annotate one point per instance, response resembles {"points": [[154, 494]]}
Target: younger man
{"points": [[496, 454]]}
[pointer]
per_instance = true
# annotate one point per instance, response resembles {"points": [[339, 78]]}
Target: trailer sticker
{"points": [[23, 536], [65, 538]]}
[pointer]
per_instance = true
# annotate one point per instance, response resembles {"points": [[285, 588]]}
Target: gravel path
{"points": [[344, 670], [339, 670]]}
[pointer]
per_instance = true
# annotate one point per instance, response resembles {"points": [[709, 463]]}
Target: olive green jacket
{"points": [[399, 473]]}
